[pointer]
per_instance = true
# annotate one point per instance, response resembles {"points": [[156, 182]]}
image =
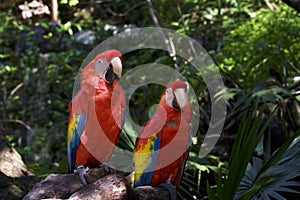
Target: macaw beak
{"points": [[117, 66], [180, 98], [114, 70]]}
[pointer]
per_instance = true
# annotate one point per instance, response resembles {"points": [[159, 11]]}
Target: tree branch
{"points": [[54, 11], [169, 43], [103, 184]]}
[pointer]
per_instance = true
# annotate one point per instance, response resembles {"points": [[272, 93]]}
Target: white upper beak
{"points": [[117, 66], [181, 97]]}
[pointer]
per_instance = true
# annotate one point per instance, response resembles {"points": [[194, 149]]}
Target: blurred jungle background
{"points": [[255, 44]]}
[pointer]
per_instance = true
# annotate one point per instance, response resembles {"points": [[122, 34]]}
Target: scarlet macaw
{"points": [[95, 118], [162, 148]]}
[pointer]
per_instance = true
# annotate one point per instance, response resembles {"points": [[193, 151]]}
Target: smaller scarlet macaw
{"points": [[162, 146], [96, 114]]}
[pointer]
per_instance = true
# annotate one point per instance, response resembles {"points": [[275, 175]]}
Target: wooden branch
{"points": [[112, 186], [58, 186], [149, 193], [271, 6], [17, 121], [103, 185], [169, 43]]}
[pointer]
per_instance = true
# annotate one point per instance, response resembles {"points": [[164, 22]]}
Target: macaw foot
{"points": [[81, 171], [170, 187]]}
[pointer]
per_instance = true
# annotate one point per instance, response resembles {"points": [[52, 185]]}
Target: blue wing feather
{"points": [[146, 176], [75, 130]]}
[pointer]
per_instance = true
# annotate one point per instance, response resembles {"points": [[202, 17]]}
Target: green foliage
{"points": [[269, 40], [249, 134], [277, 174], [39, 61], [37, 71], [196, 171], [70, 2]]}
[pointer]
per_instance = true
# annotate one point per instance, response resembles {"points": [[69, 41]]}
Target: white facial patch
{"points": [[169, 97], [101, 67]]}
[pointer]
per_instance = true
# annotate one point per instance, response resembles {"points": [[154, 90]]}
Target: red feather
{"points": [[174, 139], [104, 114]]}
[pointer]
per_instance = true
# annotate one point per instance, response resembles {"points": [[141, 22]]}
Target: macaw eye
{"points": [[99, 61], [169, 91]]}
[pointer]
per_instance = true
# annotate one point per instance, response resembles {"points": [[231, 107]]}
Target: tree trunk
{"points": [[15, 178]]}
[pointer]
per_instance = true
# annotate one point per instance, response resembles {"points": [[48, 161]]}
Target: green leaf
{"points": [[250, 131], [63, 1], [73, 2], [210, 193], [275, 175]]}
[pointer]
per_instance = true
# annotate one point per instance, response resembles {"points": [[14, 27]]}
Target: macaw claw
{"points": [[81, 171]]}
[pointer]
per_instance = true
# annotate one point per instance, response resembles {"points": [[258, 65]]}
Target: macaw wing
{"points": [[75, 130], [145, 159]]}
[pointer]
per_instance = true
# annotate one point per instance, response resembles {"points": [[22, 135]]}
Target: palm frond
{"points": [[274, 176], [250, 131]]}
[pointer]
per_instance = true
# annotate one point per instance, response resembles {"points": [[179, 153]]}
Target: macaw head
{"points": [[176, 95], [106, 65]]}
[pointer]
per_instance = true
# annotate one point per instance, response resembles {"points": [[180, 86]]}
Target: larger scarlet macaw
{"points": [[162, 146], [95, 118]]}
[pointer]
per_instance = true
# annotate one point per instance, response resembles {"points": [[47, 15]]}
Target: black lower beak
{"points": [[110, 76], [175, 104]]}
